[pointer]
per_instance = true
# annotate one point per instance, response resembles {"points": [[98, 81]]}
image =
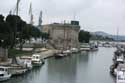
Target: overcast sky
{"points": [[94, 15]]}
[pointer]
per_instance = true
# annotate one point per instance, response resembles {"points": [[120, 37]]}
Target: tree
{"points": [[35, 32], [27, 31], [1, 18], [13, 21], [84, 36], [21, 28], [45, 35], [14, 31], [5, 38], [5, 33]]}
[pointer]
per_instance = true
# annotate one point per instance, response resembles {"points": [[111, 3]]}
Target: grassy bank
{"points": [[15, 52]]}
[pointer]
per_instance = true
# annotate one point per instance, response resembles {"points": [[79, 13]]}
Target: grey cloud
{"points": [[105, 15]]}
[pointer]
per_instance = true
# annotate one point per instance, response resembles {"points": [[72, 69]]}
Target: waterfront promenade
{"points": [[48, 53]]}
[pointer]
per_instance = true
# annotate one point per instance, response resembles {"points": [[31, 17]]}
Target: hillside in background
{"points": [[104, 34]]}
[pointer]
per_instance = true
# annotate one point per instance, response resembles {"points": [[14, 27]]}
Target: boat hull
{"points": [[7, 77], [15, 71], [38, 63], [58, 57]]}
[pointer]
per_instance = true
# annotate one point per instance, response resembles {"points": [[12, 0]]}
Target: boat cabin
{"points": [[36, 57], [4, 69]]}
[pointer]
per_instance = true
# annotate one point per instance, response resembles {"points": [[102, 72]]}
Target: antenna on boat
{"points": [[117, 33], [74, 16]]}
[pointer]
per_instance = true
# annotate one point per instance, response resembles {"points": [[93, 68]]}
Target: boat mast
{"points": [[31, 14], [40, 21], [64, 37], [117, 35], [40, 18], [74, 16], [17, 7]]}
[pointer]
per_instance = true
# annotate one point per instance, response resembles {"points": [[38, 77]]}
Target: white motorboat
{"points": [[120, 59], [4, 73], [113, 68], [120, 77], [66, 52], [16, 70], [37, 60], [107, 45], [27, 62], [120, 74], [94, 47], [74, 50], [59, 55], [85, 47]]}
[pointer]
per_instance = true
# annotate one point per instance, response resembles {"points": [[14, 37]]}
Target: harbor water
{"points": [[85, 67]]}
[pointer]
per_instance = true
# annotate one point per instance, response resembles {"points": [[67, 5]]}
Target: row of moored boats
{"points": [[117, 69], [19, 65], [64, 53]]}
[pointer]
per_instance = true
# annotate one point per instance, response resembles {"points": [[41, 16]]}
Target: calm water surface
{"points": [[86, 67]]}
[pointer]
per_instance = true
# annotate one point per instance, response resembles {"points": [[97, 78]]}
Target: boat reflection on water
{"points": [[64, 70]]}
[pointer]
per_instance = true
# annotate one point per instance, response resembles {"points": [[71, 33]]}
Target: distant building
{"points": [[63, 36]]}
